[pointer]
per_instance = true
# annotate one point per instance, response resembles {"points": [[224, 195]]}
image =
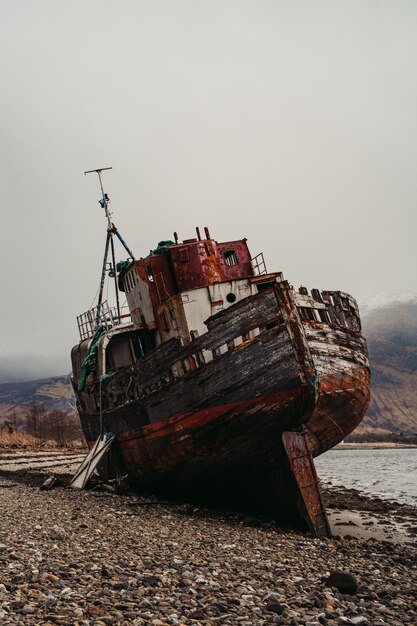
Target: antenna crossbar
{"points": [[101, 169]]}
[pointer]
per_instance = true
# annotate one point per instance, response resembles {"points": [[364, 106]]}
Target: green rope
{"points": [[90, 360]]}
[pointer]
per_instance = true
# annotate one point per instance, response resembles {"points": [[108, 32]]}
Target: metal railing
{"points": [[102, 316]]}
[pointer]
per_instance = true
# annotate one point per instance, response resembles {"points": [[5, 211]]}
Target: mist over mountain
{"points": [[28, 367], [383, 302], [390, 327]]}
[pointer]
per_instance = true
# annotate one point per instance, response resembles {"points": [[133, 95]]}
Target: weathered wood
{"points": [[185, 423], [264, 366], [306, 490]]}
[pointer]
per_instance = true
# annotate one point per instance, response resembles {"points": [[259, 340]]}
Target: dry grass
{"points": [[16, 439]]}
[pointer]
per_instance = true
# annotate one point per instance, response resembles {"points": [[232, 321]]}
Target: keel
{"points": [[306, 488]]}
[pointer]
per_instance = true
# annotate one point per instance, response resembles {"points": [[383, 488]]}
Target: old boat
{"points": [[220, 382]]}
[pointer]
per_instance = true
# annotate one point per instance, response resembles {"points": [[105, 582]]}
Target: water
{"points": [[387, 473]]}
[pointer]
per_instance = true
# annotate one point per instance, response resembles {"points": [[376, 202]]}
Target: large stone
{"points": [[57, 532], [274, 606], [343, 581]]}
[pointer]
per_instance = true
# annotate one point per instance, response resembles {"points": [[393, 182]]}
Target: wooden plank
{"points": [[250, 313], [307, 485]]}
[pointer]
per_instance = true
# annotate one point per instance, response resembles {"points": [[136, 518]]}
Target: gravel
{"points": [[94, 558]]}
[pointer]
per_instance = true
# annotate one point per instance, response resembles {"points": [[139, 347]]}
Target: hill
{"points": [[54, 392], [390, 327]]}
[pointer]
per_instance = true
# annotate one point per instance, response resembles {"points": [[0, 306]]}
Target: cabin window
{"points": [[130, 281], [231, 297], [150, 272], [230, 257], [119, 352], [126, 348], [132, 274]]}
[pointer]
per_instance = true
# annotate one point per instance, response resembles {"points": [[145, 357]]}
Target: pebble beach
{"points": [[95, 558]]}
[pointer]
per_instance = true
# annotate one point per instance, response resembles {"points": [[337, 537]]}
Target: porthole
{"points": [[231, 297]]}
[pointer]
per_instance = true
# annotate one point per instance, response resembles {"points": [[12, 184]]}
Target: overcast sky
{"points": [[291, 123]]}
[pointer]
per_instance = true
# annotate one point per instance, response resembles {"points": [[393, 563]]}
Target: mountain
{"points": [[55, 393], [390, 327]]}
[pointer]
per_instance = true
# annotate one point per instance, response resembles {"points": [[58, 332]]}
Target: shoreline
{"points": [[92, 558], [366, 516], [368, 445], [351, 512]]}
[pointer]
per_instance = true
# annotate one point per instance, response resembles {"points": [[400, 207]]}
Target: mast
{"points": [[111, 231]]}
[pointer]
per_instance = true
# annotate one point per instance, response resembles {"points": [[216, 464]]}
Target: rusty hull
{"points": [[211, 428]]}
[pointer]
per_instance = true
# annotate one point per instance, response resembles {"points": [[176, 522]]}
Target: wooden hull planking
{"points": [[213, 431]]}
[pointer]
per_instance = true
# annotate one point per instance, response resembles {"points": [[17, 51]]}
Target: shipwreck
{"points": [[219, 382]]}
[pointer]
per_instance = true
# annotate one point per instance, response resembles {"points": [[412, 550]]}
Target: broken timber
{"points": [[307, 487], [91, 461]]}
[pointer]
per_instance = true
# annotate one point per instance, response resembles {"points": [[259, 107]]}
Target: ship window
{"points": [[119, 352], [129, 281], [231, 297], [150, 272], [230, 257]]}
